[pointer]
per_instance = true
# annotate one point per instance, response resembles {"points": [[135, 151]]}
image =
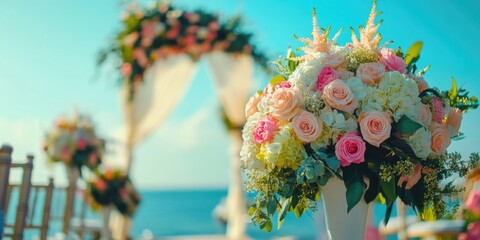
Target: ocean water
{"points": [[179, 213]]}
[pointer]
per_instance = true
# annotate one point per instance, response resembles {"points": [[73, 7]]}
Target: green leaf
{"points": [[266, 225], [271, 206], [453, 93], [283, 212], [298, 211], [353, 180], [388, 212], [373, 188], [389, 190], [277, 79], [251, 210], [413, 54], [407, 126]]}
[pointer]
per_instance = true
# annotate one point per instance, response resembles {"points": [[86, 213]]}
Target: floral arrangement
{"points": [[113, 188], [361, 113], [74, 142], [162, 30]]}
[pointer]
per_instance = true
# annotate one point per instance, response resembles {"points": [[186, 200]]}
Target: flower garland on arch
{"points": [[161, 30]]}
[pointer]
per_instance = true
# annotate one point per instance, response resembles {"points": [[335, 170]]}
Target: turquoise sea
{"points": [[181, 212]]}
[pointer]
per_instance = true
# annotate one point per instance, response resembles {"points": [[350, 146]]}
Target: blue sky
{"points": [[47, 67]]}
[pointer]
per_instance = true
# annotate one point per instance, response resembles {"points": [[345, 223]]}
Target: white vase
{"points": [[340, 224], [106, 210]]}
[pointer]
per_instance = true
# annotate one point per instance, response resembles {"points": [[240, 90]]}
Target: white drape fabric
{"points": [[164, 84], [233, 74]]}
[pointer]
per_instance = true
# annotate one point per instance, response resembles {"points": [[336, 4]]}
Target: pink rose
{"points": [[413, 179], [338, 95], [422, 84], [473, 201], [101, 185], [93, 159], [375, 127], [438, 110], [285, 104], [350, 148], [326, 76], [425, 115], [370, 73], [454, 119], [307, 126], [392, 62], [81, 143], [284, 84], [252, 104], [66, 154], [126, 69], [265, 130], [473, 232], [440, 138], [123, 193]]}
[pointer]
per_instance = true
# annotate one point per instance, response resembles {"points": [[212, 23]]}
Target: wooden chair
{"points": [[32, 221], [5, 162], [24, 192]]}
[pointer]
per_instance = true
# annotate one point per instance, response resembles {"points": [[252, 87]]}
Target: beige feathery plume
{"points": [[319, 43], [369, 38]]}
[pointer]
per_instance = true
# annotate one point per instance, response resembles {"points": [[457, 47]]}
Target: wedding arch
{"points": [[157, 52]]}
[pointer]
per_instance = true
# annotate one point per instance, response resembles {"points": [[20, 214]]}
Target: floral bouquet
{"points": [[161, 30], [74, 142], [361, 113], [113, 188]]}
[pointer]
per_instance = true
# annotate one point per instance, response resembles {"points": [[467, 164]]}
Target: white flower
{"points": [[420, 142], [307, 72], [357, 87]]}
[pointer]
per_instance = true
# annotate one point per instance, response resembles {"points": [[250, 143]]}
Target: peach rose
{"points": [[440, 138], [307, 126], [425, 115], [422, 84], [413, 179], [375, 127], [350, 148], [454, 120], [252, 103], [285, 104], [392, 62], [338, 95], [335, 61], [370, 73]]}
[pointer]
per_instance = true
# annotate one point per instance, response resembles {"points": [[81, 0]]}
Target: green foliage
{"points": [[459, 98], [406, 125], [353, 180], [412, 55]]}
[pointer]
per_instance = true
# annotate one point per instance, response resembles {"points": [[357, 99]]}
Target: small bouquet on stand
{"points": [[113, 188], [73, 141]]}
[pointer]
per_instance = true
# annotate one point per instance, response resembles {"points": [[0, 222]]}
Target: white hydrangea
{"points": [[420, 142], [306, 73], [357, 87], [334, 124], [395, 94]]}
